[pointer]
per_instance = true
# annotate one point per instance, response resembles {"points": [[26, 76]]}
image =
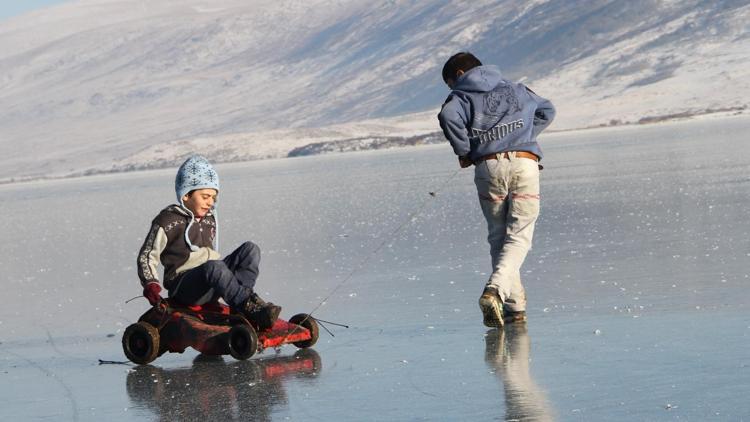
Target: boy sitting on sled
{"points": [[183, 239]]}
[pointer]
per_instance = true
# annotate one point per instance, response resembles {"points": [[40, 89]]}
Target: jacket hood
{"points": [[181, 210], [479, 79]]}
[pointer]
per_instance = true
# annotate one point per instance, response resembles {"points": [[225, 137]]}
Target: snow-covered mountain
{"points": [[96, 84]]}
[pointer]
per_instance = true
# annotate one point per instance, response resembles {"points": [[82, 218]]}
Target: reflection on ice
{"points": [[213, 389], [507, 353]]}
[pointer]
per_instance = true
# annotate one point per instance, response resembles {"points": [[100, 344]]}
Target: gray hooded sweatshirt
{"points": [[487, 114]]}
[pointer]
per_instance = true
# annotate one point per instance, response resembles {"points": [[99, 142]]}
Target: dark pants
{"points": [[231, 278]]}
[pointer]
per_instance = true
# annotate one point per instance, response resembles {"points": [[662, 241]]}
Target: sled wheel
{"points": [[306, 321], [243, 342], [141, 342]]}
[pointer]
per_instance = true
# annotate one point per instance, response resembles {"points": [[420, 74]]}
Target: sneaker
{"points": [[492, 307], [262, 316], [510, 317]]}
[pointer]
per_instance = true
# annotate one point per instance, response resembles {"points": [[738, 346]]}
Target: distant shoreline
{"points": [[376, 142], [673, 117]]}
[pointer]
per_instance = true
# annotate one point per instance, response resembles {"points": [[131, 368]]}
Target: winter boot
{"points": [[260, 313], [256, 299], [510, 317], [492, 307]]}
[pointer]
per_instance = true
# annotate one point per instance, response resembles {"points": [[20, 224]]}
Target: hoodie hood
{"points": [[179, 209], [183, 211], [479, 79]]}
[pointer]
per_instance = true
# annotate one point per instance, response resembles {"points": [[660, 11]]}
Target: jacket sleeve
{"points": [[544, 114], [453, 121], [150, 253]]}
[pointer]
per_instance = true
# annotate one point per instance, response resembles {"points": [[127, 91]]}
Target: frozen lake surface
{"points": [[637, 284]]}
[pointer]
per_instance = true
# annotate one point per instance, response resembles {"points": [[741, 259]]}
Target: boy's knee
{"points": [[215, 270], [251, 248]]}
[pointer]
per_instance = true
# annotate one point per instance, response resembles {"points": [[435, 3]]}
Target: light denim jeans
{"points": [[508, 191]]}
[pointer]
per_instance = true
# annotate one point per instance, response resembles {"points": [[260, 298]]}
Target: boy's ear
{"points": [[185, 197], [459, 72]]}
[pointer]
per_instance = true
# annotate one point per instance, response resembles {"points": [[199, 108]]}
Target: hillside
{"points": [[101, 84]]}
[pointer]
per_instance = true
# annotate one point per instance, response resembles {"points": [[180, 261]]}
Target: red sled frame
{"points": [[212, 329]]}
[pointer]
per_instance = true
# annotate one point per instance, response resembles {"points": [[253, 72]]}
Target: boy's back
{"points": [[486, 114]]}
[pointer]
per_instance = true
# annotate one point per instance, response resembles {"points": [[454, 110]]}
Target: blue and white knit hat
{"points": [[195, 173]]}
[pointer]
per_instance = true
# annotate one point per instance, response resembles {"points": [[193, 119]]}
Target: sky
{"points": [[11, 8]]}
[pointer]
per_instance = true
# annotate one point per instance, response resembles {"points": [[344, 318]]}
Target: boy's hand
{"points": [[464, 161], [151, 293]]}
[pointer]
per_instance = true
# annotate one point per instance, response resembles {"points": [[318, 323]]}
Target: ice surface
{"points": [[637, 284]]}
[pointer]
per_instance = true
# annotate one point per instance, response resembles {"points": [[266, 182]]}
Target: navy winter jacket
{"points": [[486, 114]]}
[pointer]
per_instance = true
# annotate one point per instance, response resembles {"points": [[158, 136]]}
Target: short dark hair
{"points": [[459, 61]]}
